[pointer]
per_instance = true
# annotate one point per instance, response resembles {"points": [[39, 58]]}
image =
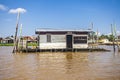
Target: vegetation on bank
{"points": [[32, 44], [6, 44], [12, 44], [95, 36], [109, 37]]}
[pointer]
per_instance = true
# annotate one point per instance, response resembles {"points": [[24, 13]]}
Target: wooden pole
{"points": [[21, 40], [116, 36], [15, 39], [92, 34], [97, 37], [113, 37]]}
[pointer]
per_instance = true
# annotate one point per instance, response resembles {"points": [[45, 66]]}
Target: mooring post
{"points": [[113, 38], [15, 39]]}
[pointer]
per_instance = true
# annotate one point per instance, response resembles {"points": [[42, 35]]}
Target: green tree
{"points": [[111, 37], [103, 37]]}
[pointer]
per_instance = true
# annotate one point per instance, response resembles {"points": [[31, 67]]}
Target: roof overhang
{"points": [[53, 31]]}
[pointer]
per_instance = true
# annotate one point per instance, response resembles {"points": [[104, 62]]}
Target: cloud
{"points": [[2, 7], [14, 11]]}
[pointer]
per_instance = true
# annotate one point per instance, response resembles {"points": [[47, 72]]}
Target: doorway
{"points": [[69, 41]]}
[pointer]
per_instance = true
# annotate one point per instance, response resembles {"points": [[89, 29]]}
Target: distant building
{"points": [[1, 40], [8, 40], [119, 38], [28, 38], [104, 41], [62, 39]]}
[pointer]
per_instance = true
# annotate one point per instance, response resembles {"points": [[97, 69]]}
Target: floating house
{"points": [[62, 39]]}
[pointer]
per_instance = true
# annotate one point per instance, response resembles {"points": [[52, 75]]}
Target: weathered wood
{"points": [[15, 39], [113, 38]]}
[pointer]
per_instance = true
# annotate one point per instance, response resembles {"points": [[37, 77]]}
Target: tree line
{"points": [[103, 36]]}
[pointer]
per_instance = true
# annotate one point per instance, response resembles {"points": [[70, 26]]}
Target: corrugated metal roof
{"points": [[48, 29]]}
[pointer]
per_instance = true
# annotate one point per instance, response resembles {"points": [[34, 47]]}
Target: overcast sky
{"points": [[58, 14]]}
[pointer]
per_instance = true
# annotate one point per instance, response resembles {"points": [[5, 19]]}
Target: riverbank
{"points": [[12, 44], [110, 43], [6, 44]]}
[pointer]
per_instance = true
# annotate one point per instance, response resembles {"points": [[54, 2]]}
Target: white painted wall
{"points": [[57, 42], [43, 39], [58, 38], [80, 46], [52, 45]]}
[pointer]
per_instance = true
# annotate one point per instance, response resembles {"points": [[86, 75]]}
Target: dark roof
{"points": [[1, 38], [62, 32], [9, 38]]}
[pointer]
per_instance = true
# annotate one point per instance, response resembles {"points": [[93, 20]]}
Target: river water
{"points": [[59, 65]]}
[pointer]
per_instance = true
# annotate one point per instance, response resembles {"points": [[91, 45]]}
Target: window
{"points": [[48, 38], [80, 39]]}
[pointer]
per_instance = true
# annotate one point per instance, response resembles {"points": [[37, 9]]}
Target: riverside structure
{"points": [[62, 40]]}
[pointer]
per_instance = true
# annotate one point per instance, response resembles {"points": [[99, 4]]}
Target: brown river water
{"points": [[59, 65]]}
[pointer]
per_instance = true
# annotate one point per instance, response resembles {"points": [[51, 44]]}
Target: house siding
{"points": [[58, 42]]}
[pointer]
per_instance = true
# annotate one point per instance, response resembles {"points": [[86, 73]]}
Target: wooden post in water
{"points": [[15, 39], [20, 40], [118, 45], [116, 37], [113, 37], [92, 34], [97, 39]]}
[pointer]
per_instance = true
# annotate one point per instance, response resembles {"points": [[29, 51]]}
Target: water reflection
{"points": [[69, 56], [59, 66]]}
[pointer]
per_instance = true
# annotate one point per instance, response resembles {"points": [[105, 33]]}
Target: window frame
{"points": [[48, 38], [80, 40]]}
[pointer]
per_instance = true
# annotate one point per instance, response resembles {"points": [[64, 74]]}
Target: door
{"points": [[69, 41]]}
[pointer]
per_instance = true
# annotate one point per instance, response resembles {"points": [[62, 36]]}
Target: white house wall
{"points": [[76, 46], [57, 42], [43, 39], [52, 45], [58, 38]]}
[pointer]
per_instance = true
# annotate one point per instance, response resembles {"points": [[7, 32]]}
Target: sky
{"points": [[58, 14]]}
